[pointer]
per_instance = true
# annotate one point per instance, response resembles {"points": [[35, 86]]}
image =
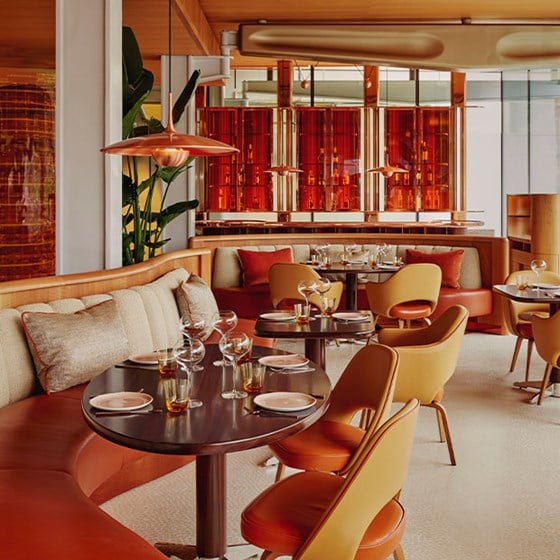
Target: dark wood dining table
{"points": [[209, 432], [532, 295], [317, 331], [351, 271]]}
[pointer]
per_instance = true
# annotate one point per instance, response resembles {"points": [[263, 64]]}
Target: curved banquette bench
{"points": [[54, 471], [484, 263]]}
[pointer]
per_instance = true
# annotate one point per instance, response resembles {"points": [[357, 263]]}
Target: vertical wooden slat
{"points": [[285, 83]]}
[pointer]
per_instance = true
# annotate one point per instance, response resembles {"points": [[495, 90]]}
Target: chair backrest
{"points": [[366, 384], [413, 282], [283, 280], [546, 332], [427, 356], [512, 309], [372, 483]]}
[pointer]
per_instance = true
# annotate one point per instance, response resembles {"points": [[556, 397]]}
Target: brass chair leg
{"points": [[398, 553], [530, 344], [443, 415], [279, 471], [544, 384], [269, 555], [518, 342]]}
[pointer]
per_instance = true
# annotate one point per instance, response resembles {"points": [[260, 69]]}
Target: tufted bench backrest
{"points": [[227, 272], [149, 314]]}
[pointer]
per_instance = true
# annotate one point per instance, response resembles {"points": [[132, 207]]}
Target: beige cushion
{"points": [[195, 297], [72, 348]]}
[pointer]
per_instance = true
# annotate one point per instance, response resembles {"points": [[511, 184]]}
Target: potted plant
{"points": [[145, 213]]}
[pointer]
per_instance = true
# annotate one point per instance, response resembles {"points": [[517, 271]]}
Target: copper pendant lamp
{"points": [[169, 148], [387, 170], [283, 170]]}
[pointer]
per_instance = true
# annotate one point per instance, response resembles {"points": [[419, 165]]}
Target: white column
{"points": [[88, 206]]}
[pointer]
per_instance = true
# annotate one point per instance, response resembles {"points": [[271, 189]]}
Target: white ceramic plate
{"points": [[384, 266], [286, 361], [278, 316], [545, 286], [284, 401], [148, 359], [125, 400], [357, 262], [350, 316]]}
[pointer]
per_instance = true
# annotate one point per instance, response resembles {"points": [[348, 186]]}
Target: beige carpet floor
{"points": [[499, 503]]}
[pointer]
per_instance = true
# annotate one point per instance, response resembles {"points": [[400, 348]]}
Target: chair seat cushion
{"points": [[411, 310], [281, 518], [325, 446]]}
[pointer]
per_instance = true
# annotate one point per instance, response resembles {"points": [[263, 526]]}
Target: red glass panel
{"points": [[27, 182], [239, 182]]}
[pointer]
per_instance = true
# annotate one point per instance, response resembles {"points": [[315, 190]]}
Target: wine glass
{"points": [[234, 346], [538, 266], [194, 327], [306, 288], [224, 322], [323, 285], [188, 357]]}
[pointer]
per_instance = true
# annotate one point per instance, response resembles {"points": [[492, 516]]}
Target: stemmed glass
{"points": [[322, 286], [538, 266], [234, 346], [188, 357], [224, 322], [194, 327], [306, 288]]}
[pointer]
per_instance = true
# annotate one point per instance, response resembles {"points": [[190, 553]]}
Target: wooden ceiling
{"points": [[27, 28]]}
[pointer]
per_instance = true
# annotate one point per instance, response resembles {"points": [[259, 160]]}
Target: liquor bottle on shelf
{"points": [[258, 176], [250, 153], [429, 176], [424, 152], [335, 156], [311, 177], [335, 176], [227, 177]]}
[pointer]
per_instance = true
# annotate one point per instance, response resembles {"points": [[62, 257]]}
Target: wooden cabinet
{"points": [[419, 139], [239, 182], [533, 229]]}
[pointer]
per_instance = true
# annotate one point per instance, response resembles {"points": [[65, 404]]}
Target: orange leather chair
{"points": [[283, 281], [427, 359], [333, 444], [316, 515], [547, 340], [409, 294], [517, 315]]}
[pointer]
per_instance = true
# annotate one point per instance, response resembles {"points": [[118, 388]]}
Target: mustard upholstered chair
{"points": [[427, 359], [317, 516], [546, 332], [284, 279], [333, 444], [517, 315], [409, 294]]}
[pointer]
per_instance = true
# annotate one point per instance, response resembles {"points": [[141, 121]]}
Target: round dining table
{"points": [[209, 432]]}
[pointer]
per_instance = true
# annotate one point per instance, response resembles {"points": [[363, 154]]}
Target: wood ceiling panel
{"points": [[27, 27]]}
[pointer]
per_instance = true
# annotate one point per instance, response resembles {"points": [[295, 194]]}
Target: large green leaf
{"points": [[185, 96], [175, 210]]}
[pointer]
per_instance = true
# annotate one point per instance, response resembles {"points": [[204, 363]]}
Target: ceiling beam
{"points": [[194, 20]]}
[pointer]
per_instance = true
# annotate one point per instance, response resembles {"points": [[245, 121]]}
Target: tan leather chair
{"points": [[333, 444], [283, 281], [546, 332], [409, 294], [314, 515], [427, 359], [517, 315]]}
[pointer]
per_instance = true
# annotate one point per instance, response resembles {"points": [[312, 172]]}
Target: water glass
{"points": [[167, 363], [302, 312], [177, 390], [252, 373]]}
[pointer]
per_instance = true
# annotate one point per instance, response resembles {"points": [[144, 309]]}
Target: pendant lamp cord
{"points": [[169, 43]]}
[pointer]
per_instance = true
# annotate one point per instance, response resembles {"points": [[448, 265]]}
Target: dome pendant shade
{"points": [[387, 169], [169, 148], [283, 170]]}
